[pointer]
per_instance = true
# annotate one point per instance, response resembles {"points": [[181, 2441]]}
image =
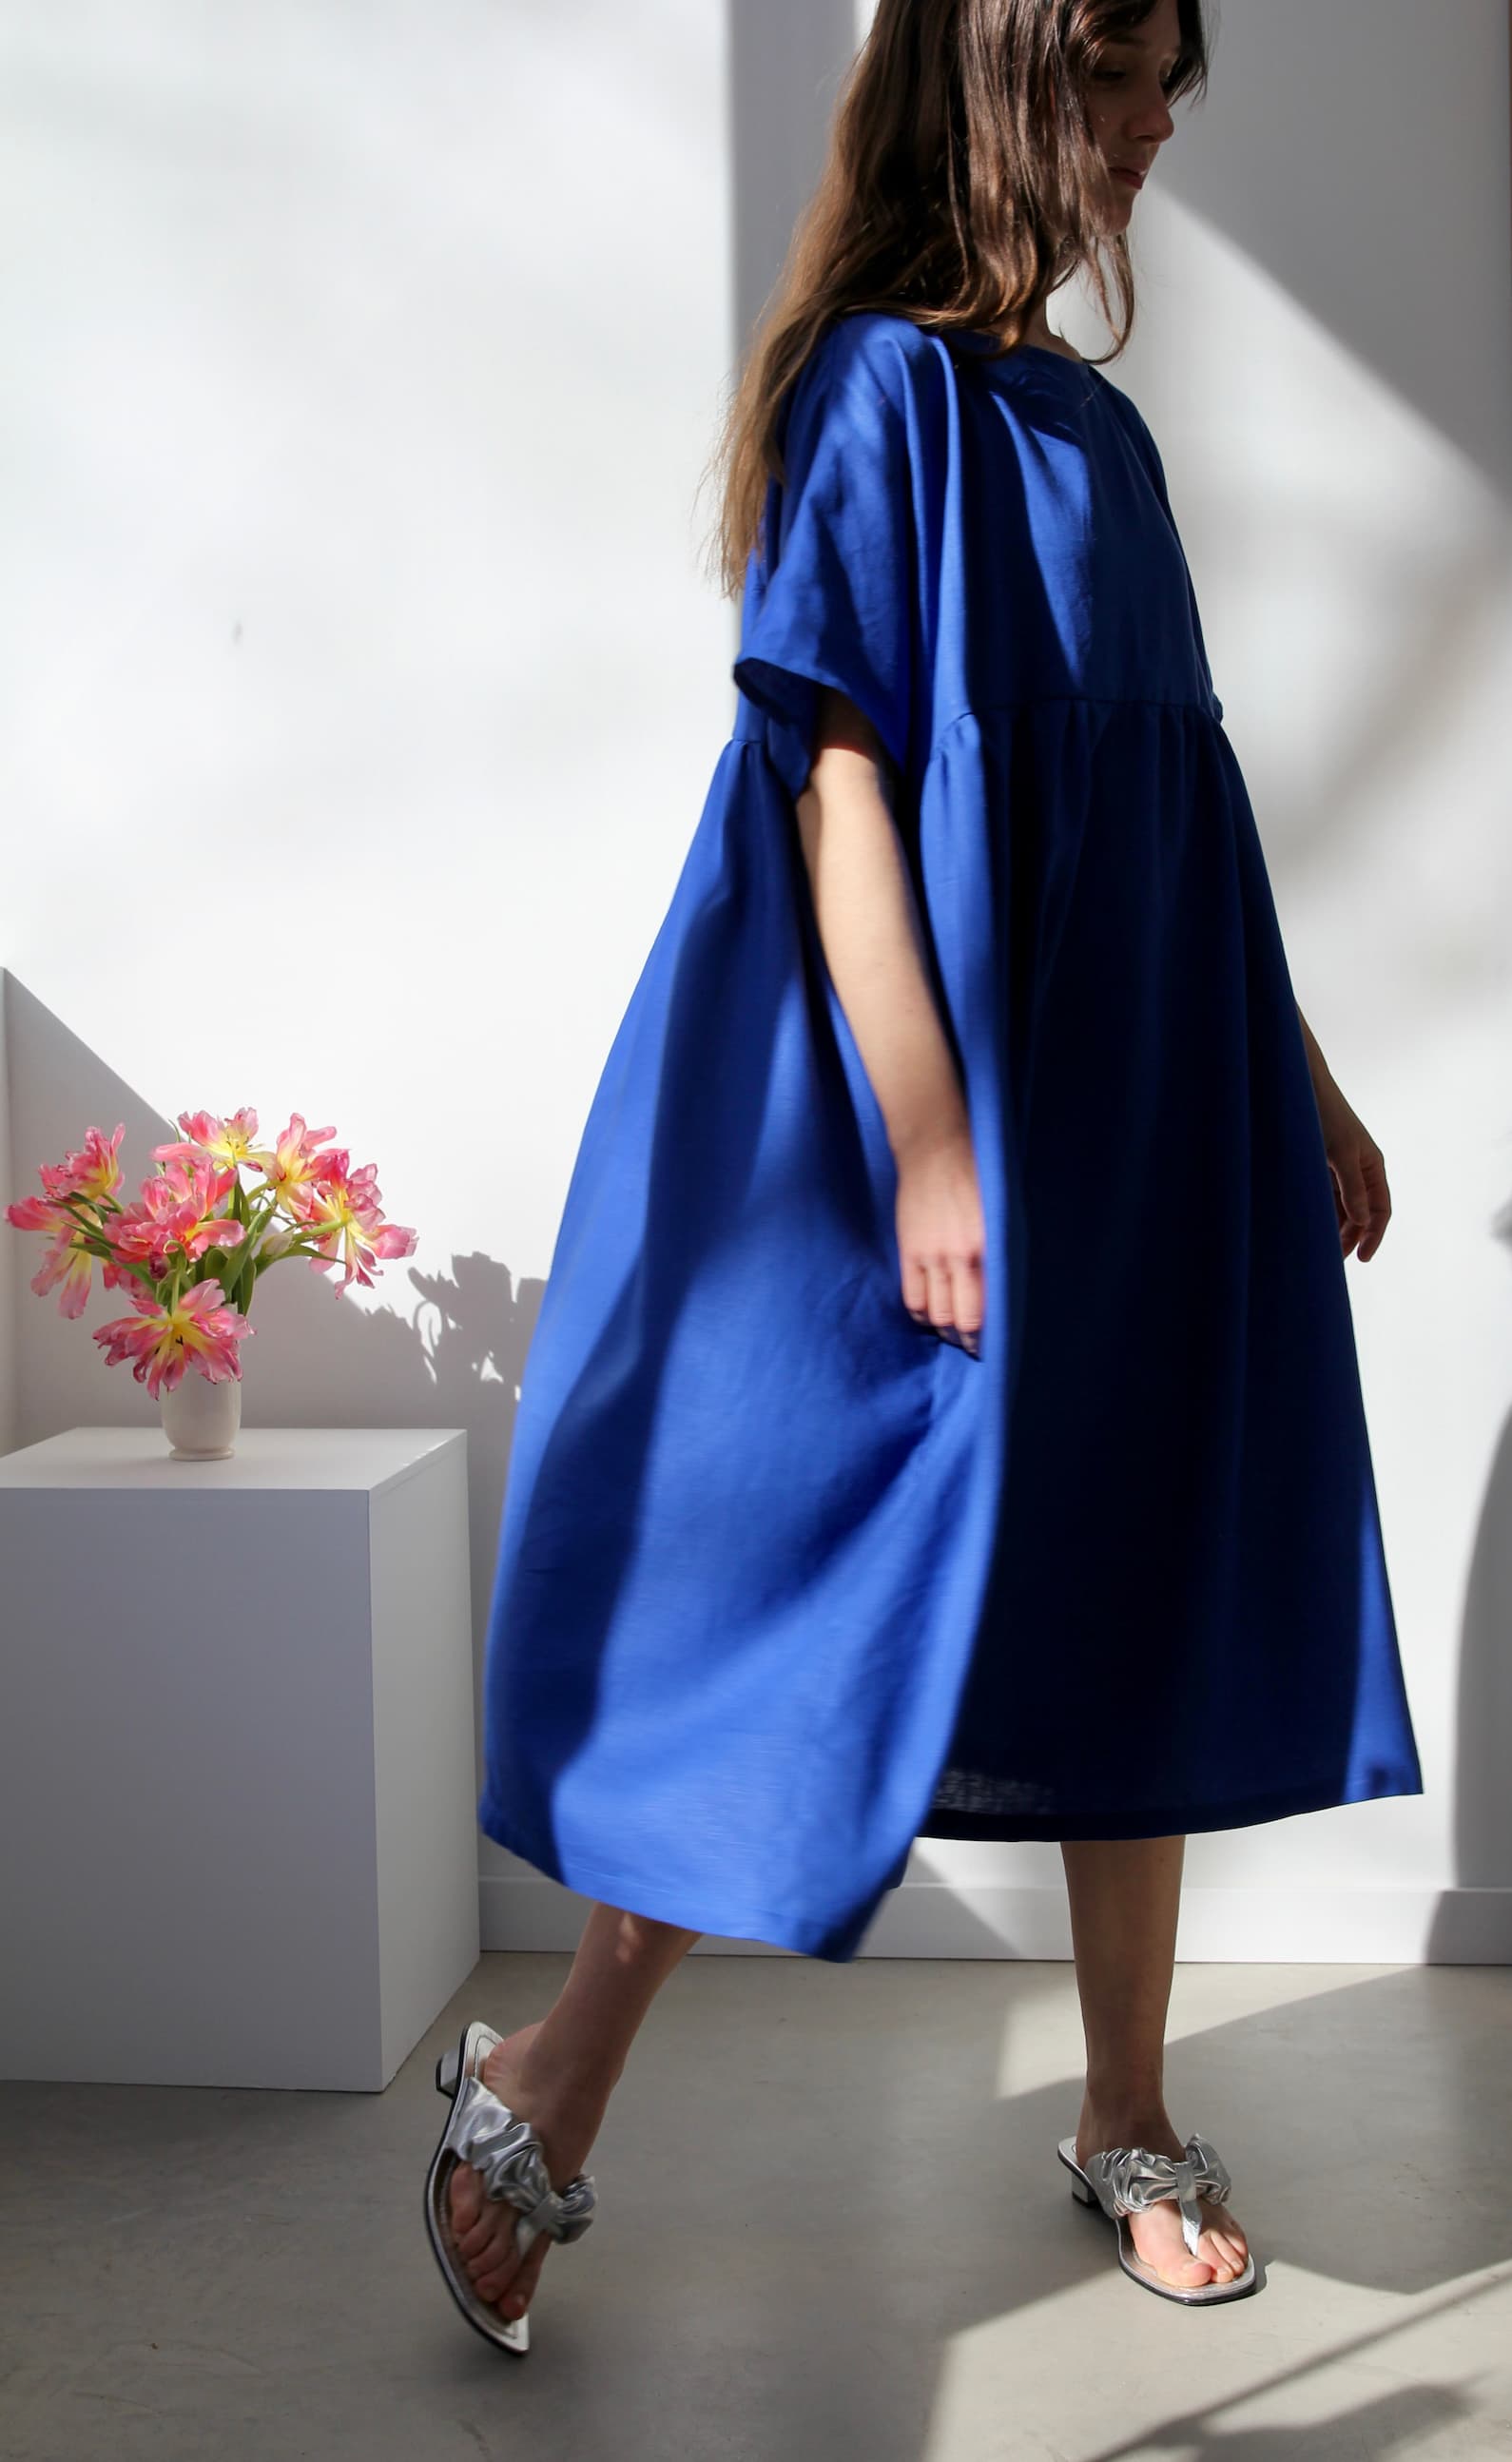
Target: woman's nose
{"points": [[1153, 124]]}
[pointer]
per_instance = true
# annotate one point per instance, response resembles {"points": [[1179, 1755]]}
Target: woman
{"points": [[943, 1418]]}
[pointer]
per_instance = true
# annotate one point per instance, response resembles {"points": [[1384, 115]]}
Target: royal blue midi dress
{"points": [[785, 1581]]}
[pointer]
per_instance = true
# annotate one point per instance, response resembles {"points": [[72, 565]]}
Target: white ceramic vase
{"points": [[200, 1420]]}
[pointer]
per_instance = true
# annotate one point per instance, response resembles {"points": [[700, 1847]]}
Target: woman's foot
{"points": [[1221, 2250], [565, 2113]]}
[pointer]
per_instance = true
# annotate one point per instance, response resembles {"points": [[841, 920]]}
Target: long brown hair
{"points": [[959, 190]]}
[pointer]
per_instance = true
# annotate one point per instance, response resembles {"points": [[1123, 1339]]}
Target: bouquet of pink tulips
{"points": [[196, 1241]]}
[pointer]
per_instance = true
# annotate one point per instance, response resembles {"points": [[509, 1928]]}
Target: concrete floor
{"points": [[831, 2225]]}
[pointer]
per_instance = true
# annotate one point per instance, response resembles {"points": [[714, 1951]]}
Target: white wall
{"points": [[362, 686], [361, 681]]}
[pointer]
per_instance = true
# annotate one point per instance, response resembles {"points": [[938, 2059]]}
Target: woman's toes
{"points": [[496, 2283], [1157, 2234], [474, 2223], [464, 2199], [515, 2295], [506, 2295], [1227, 2254], [480, 2237], [499, 2253], [483, 2233], [508, 2277], [1225, 2235]]}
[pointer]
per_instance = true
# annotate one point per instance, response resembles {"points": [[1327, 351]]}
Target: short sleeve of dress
{"points": [[835, 604]]}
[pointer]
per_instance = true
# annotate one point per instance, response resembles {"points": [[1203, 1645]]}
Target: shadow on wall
{"points": [[1483, 1824], [1297, 157], [435, 1351], [786, 62]]}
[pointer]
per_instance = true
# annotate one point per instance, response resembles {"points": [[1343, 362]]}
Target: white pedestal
{"points": [[238, 1835]]}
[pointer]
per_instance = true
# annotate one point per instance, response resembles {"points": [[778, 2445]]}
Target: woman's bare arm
{"points": [[868, 928]]}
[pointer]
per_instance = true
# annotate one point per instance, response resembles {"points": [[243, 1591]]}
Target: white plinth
{"points": [[238, 1837]]}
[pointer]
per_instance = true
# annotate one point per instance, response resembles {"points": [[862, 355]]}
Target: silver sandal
{"points": [[507, 2154], [1127, 2180]]}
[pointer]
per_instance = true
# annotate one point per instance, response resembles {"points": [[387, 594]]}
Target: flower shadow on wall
{"points": [[447, 1350]]}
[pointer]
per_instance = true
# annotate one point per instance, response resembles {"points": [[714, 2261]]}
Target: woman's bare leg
{"points": [[558, 2073], [1125, 1895]]}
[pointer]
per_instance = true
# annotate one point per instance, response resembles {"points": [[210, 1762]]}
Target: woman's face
{"points": [[1126, 104]]}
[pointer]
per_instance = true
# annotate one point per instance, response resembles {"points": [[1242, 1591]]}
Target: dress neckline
{"points": [[984, 340]]}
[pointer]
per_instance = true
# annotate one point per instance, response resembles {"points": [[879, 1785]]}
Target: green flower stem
{"points": [[254, 1219]]}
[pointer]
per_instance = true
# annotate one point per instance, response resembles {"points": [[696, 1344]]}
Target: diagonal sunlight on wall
{"points": [[1353, 568]]}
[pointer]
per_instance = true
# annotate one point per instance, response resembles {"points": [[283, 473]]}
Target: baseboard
{"points": [[1291, 1925]]}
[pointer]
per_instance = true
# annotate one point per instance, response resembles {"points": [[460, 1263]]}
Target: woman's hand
{"points": [[941, 1232], [1361, 1198], [1362, 1201]]}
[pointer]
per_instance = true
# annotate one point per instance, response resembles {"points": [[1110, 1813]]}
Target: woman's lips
{"points": [[1136, 179]]}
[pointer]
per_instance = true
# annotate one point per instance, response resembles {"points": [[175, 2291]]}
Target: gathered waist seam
{"points": [[1098, 701]]}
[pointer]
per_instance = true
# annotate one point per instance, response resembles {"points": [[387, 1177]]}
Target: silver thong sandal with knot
{"points": [[1127, 2180], [510, 2161]]}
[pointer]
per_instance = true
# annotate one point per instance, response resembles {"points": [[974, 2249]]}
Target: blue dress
{"points": [[784, 1581]]}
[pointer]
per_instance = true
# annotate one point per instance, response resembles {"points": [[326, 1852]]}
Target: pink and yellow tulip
{"points": [[198, 1330], [195, 1241]]}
